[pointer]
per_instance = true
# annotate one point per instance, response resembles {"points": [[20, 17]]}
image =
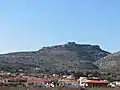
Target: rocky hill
{"points": [[110, 62], [70, 57]]}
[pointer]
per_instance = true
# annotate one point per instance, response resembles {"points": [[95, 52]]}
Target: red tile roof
{"points": [[95, 81], [30, 80]]}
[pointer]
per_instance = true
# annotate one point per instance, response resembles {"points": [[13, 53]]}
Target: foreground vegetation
{"points": [[104, 89], [23, 88]]}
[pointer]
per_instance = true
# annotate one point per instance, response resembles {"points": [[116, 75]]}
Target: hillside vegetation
{"points": [[70, 57]]}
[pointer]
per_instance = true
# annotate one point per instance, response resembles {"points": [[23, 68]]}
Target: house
{"points": [[68, 83], [13, 81], [36, 82], [5, 81], [96, 83], [85, 82], [70, 77], [114, 84], [117, 83], [81, 81]]}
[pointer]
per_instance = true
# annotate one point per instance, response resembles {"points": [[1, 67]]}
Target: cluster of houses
{"points": [[53, 81]]}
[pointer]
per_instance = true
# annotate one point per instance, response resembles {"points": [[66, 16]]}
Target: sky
{"points": [[28, 25]]}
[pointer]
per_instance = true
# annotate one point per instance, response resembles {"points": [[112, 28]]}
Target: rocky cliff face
{"points": [[110, 62], [70, 56]]}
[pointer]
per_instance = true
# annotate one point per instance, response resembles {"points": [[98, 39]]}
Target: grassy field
{"points": [[22, 88]]}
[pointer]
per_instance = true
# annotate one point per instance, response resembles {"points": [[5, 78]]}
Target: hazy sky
{"points": [[31, 24]]}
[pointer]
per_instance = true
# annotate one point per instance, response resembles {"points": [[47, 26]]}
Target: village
{"points": [[54, 80]]}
